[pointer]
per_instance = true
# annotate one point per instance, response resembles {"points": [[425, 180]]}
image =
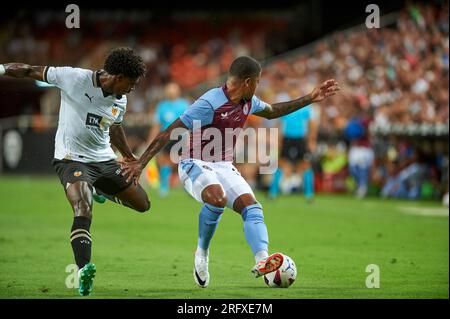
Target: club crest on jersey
{"points": [[77, 173], [114, 110], [245, 109]]}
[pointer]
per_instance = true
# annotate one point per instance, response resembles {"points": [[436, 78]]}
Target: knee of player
{"points": [[145, 207], [82, 208], [220, 200]]}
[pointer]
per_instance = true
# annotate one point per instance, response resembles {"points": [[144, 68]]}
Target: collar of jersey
{"points": [[225, 91], [97, 84]]}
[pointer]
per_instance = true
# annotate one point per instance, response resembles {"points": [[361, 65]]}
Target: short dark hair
{"points": [[125, 61], [245, 67]]}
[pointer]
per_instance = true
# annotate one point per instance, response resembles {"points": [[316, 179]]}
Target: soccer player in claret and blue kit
{"points": [[209, 176]]}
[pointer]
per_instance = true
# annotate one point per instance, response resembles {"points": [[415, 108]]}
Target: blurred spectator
{"points": [[405, 183], [167, 111], [360, 156]]}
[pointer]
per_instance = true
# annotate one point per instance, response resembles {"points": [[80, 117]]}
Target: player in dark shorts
{"points": [[294, 150], [298, 129], [92, 107]]}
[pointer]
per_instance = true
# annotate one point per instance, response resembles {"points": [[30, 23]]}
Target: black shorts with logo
{"points": [[105, 176], [295, 150]]}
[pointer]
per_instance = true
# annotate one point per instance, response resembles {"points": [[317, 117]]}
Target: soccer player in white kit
{"points": [[210, 177], [92, 107]]}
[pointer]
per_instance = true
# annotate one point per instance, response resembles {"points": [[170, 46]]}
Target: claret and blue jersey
{"points": [[214, 109]]}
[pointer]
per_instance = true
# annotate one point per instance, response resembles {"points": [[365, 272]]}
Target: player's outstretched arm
{"points": [[119, 140], [21, 70], [324, 90], [134, 169]]}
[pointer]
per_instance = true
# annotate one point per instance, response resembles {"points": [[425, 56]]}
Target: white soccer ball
{"points": [[284, 276]]}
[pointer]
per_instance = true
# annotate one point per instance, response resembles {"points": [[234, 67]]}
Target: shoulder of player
{"points": [[68, 73], [214, 97], [122, 101], [70, 70]]}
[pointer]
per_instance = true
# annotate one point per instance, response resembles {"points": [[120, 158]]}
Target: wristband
{"points": [[2, 69]]}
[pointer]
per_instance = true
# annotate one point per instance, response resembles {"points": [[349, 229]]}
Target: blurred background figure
{"points": [[360, 155], [406, 179], [298, 138], [167, 111]]}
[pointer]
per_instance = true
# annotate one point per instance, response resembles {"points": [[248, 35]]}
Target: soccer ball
{"points": [[284, 276]]}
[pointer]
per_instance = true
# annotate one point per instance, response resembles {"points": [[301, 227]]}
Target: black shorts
{"points": [[295, 150], [105, 176]]}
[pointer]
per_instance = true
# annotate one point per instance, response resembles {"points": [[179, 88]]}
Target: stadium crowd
{"points": [[393, 75]]}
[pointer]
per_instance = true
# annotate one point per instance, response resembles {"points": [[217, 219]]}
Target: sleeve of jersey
{"points": [[119, 118], [122, 111], [201, 112], [59, 76], [257, 105]]}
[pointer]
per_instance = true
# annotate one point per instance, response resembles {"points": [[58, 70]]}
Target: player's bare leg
{"points": [[256, 235], [80, 198], [215, 201], [134, 197]]}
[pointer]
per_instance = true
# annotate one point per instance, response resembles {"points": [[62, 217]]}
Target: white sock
{"points": [[202, 252], [261, 255]]}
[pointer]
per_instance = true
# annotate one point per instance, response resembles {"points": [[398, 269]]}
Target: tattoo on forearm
{"points": [[283, 108]]}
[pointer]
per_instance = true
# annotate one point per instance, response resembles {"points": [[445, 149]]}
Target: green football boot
{"points": [[86, 277], [97, 197]]}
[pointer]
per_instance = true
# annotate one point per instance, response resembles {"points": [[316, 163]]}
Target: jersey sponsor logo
{"points": [[93, 120], [89, 97], [77, 173], [225, 115]]}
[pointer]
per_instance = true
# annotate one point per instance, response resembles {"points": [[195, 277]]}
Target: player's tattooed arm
{"points": [[273, 111], [119, 140], [133, 170], [324, 90], [21, 70]]}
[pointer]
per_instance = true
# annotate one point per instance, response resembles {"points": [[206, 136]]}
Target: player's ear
{"points": [[118, 77], [247, 82]]}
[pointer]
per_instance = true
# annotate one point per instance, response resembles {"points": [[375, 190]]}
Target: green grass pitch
{"points": [[151, 255]]}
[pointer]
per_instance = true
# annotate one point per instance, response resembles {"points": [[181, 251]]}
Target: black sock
{"points": [[80, 238]]}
